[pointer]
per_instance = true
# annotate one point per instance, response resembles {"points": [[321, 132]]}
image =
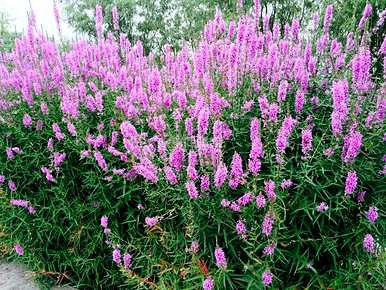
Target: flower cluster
{"points": [[23, 203]]}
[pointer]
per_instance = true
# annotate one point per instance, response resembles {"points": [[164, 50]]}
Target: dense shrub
{"points": [[256, 159]]}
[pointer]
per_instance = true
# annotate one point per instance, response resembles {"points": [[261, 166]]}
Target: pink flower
{"points": [[285, 131], [85, 153], [366, 14], [44, 108], [361, 66], [273, 112], [372, 214], [247, 106], [329, 152], [114, 12], [176, 157], [286, 183], [12, 185], [140, 206], [170, 175], [225, 202], [50, 144], [220, 175], [39, 125], [192, 190], [322, 207], [208, 284], [306, 141], [117, 256], [295, 27], [382, 49], [299, 101], [10, 154], [236, 171], [327, 18], [203, 121], [104, 222], [191, 172], [57, 16], [189, 126], [128, 130], [257, 151], [146, 169], [71, 129], [58, 133], [245, 199], [192, 158], [221, 261], [19, 202], [340, 98], [27, 120], [127, 261], [267, 278], [235, 206], [260, 201], [195, 247], [241, 228], [100, 160], [351, 183], [315, 20], [59, 158], [264, 106], [151, 221], [282, 91], [269, 188], [266, 227], [361, 196], [254, 166], [16, 150], [269, 249], [31, 210], [205, 183], [99, 21], [351, 147], [48, 173], [369, 243], [19, 249]]}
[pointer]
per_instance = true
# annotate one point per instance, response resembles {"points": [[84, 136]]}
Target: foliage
{"points": [[255, 159], [7, 37], [156, 23], [347, 15]]}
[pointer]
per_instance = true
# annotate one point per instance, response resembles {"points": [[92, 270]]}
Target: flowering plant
{"points": [[261, 151]]}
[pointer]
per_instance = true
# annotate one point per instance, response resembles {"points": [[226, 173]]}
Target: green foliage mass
{"points": [[7, 37], [175, 22]]}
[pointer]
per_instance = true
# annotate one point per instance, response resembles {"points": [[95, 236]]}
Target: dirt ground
{"points": [[15, 277]]}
